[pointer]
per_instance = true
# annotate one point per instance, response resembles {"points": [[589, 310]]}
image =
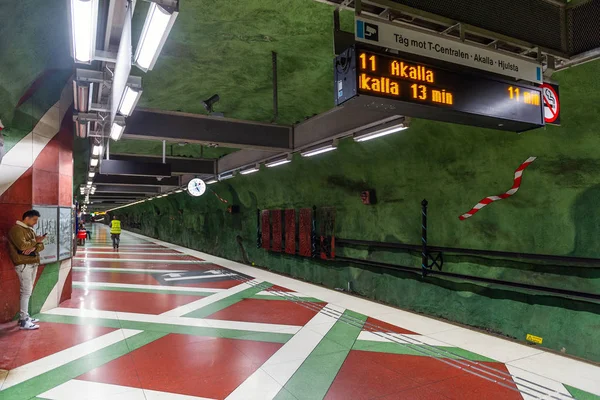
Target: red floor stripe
{"points": [[267, 311], [206, 368], [381, 326], [134, 302]]}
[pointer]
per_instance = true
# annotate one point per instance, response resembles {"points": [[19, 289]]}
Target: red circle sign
{"points": [[551, 103]]}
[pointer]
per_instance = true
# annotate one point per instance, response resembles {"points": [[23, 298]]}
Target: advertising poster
{"points": [[65, 236], [48, 223]]}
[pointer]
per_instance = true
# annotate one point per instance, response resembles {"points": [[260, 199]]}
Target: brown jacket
{"points": [[20, 238]]}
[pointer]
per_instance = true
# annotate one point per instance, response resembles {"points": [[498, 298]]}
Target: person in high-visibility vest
{"points": [[115, 232]]}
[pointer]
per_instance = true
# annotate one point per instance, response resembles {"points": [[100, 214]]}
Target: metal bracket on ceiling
{"points": [[169, 4], [550, 67], [106, 56]]}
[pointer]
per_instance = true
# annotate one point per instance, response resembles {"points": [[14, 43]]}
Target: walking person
{"points": [[115, 232], [24, 250]]}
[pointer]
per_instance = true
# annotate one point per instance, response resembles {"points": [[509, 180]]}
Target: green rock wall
{"points": [[556, 211]]}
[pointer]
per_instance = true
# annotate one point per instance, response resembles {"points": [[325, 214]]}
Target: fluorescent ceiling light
{"points": [[154, 34], [210, 182], [97, 150], [92, 174], [94, 162], [380, 133], [116, 131], [320, 150], [225, 177], [84, 16], [249, 171], [277, 163], [179, 191], [129, 100], [89, 184]]}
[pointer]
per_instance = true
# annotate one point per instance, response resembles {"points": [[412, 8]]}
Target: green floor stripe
{"points": [[271, 337], [199, 293], [580, 394], [228, 301], [277, 297], [43, 287], [413, 350], [63, 319], [48, 380], [314, 377]]}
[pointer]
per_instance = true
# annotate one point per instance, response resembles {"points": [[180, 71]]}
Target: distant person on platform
{"points": [[115, 232], [24, 250]]}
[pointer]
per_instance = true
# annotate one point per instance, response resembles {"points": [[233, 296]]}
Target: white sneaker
{"points": [[28, 325], [34, 320]]}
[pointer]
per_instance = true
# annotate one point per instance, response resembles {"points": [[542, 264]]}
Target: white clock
{"points": [[196, 187]]}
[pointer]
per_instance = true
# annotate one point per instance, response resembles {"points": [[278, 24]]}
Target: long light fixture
{"points": [[129, 100], [210, 182], [281, 161], [319, 150], [92, 174], [250, 170], [225, 177], [97, 150], [116, 131], [379, 133], [154, 34], [94, 162], [84, 18]]}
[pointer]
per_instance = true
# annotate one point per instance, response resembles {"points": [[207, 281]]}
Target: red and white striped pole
{"points": [[510, 192]]}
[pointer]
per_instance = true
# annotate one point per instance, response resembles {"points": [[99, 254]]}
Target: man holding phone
{"points": [[24, 249]]}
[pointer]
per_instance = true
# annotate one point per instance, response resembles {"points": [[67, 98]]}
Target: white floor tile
{"points": [[252, 326], [86, 390], [533, 386], [259, 386], [195, 305], [486, 345], [572, 372], [154, 395]]}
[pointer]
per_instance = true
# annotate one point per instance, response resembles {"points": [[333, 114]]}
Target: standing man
{"points": [[24, 249], [115, 232]]}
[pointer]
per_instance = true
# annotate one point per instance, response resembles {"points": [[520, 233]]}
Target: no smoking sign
{"points": [[551, 103]]}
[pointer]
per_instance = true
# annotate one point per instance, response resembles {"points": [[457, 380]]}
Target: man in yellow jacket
{"points": [[24, 248], [115, 232]]}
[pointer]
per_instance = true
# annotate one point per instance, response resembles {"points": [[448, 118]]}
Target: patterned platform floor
{"points": [[156, 321]]}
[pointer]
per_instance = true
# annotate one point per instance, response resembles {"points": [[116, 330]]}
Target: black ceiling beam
{"points": [[135, 180], [134, 168], [146, 124], [125, 196], [179, 165], [126, 189]]}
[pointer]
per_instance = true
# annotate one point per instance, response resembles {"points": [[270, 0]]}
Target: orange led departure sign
{"points": [[384, 75]]}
